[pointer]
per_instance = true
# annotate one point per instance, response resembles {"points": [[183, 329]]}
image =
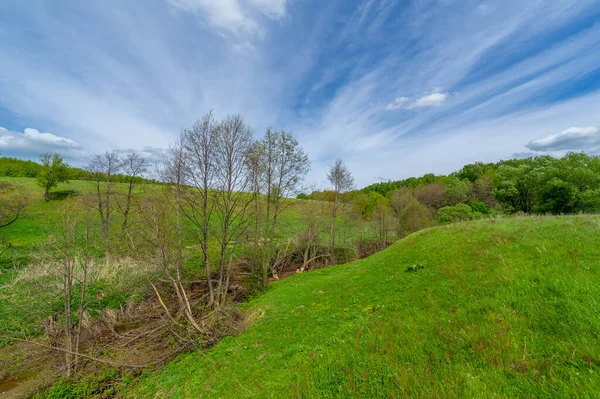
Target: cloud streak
{"points": [[235, 16]]}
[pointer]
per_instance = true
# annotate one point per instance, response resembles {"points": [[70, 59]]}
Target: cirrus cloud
{"points": [[235, 16]]}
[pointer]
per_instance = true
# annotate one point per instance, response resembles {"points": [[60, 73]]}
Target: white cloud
{"points": [[398, 103], [572, 139], [431, 100], [150, 154], [31, 143], [236, 16]]}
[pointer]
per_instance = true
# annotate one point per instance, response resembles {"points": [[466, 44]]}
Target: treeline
{"points": [[539, 185], [13, 167]]}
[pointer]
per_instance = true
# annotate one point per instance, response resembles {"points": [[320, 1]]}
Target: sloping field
{"points": [[502, 308]]}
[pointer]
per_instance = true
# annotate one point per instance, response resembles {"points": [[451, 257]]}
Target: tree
{"points": [[342, 181], [12, 203], [284, 167], [558, 196], [53, 172], [101, 169], [431, 195], [67, 257], [456, 191], [134, 166], [520, 182], [232, 146], [193, 162], [413, 216]]}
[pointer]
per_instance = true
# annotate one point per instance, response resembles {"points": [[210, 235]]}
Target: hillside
{"points": [[495, 308]]}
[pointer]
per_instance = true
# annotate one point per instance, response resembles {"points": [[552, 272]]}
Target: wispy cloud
{"points": [[236, 16], [350, 78], [431, 100], [397, 103]]}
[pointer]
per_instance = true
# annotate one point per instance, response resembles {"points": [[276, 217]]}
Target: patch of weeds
{"points": [[415, 268]]}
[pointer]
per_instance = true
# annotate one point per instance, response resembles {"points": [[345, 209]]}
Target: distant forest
{"points": [[540, 185], [14, 167]]}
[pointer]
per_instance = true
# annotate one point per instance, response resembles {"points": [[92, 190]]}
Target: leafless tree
{"points": [[102, 168], [256, 170], [232, 180], [315, 227], [197, 161], [160, 231], [342, 181], [67, 255], [285, 166], [134, 166]]}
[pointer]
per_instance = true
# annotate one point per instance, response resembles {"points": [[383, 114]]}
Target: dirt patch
{"points": [[15, 387]]}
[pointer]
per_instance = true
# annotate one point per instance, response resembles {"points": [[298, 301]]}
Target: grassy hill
{"points": [[496, 308]]}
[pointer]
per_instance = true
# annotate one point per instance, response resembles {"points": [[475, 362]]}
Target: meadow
{"points": [[493, 308], [497, 307]]}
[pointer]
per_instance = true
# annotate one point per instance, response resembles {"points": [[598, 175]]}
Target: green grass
{"points": [[484, 309]]}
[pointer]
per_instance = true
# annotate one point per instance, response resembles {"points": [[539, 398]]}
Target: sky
{"points": [[396, 88]]}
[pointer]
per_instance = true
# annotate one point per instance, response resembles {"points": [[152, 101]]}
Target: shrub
{"points": [[456, 213], [480, 207], [414, 217]]}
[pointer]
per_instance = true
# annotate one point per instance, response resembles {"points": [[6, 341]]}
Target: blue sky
{"points": [[396, 88]]}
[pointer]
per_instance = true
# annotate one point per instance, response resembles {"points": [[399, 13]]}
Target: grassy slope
{"points": [[502, 309]]}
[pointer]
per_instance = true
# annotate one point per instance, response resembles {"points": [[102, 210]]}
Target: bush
{"points": [[454, 214], [480, 207], [414, 217]]}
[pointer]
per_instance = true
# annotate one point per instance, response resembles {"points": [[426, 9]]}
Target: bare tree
{"points": [[285, 166], [232, 180], [308, 239], [256, 170], [342, 181], [133, 166], [161, 231], [197, 161], [102, 168], [67, 254]]}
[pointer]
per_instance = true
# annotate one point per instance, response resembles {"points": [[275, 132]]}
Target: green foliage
{"points": [[535, 185], [480, 207], [476, 171], [454, 214], [53, 172], [504, 308], [456, 191], [414, 216], [13, 167], [94, 386], [367, 204], [414, 268], [558, 196]]}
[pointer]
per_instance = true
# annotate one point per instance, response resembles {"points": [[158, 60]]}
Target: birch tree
{"points": [[342, 181]]}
